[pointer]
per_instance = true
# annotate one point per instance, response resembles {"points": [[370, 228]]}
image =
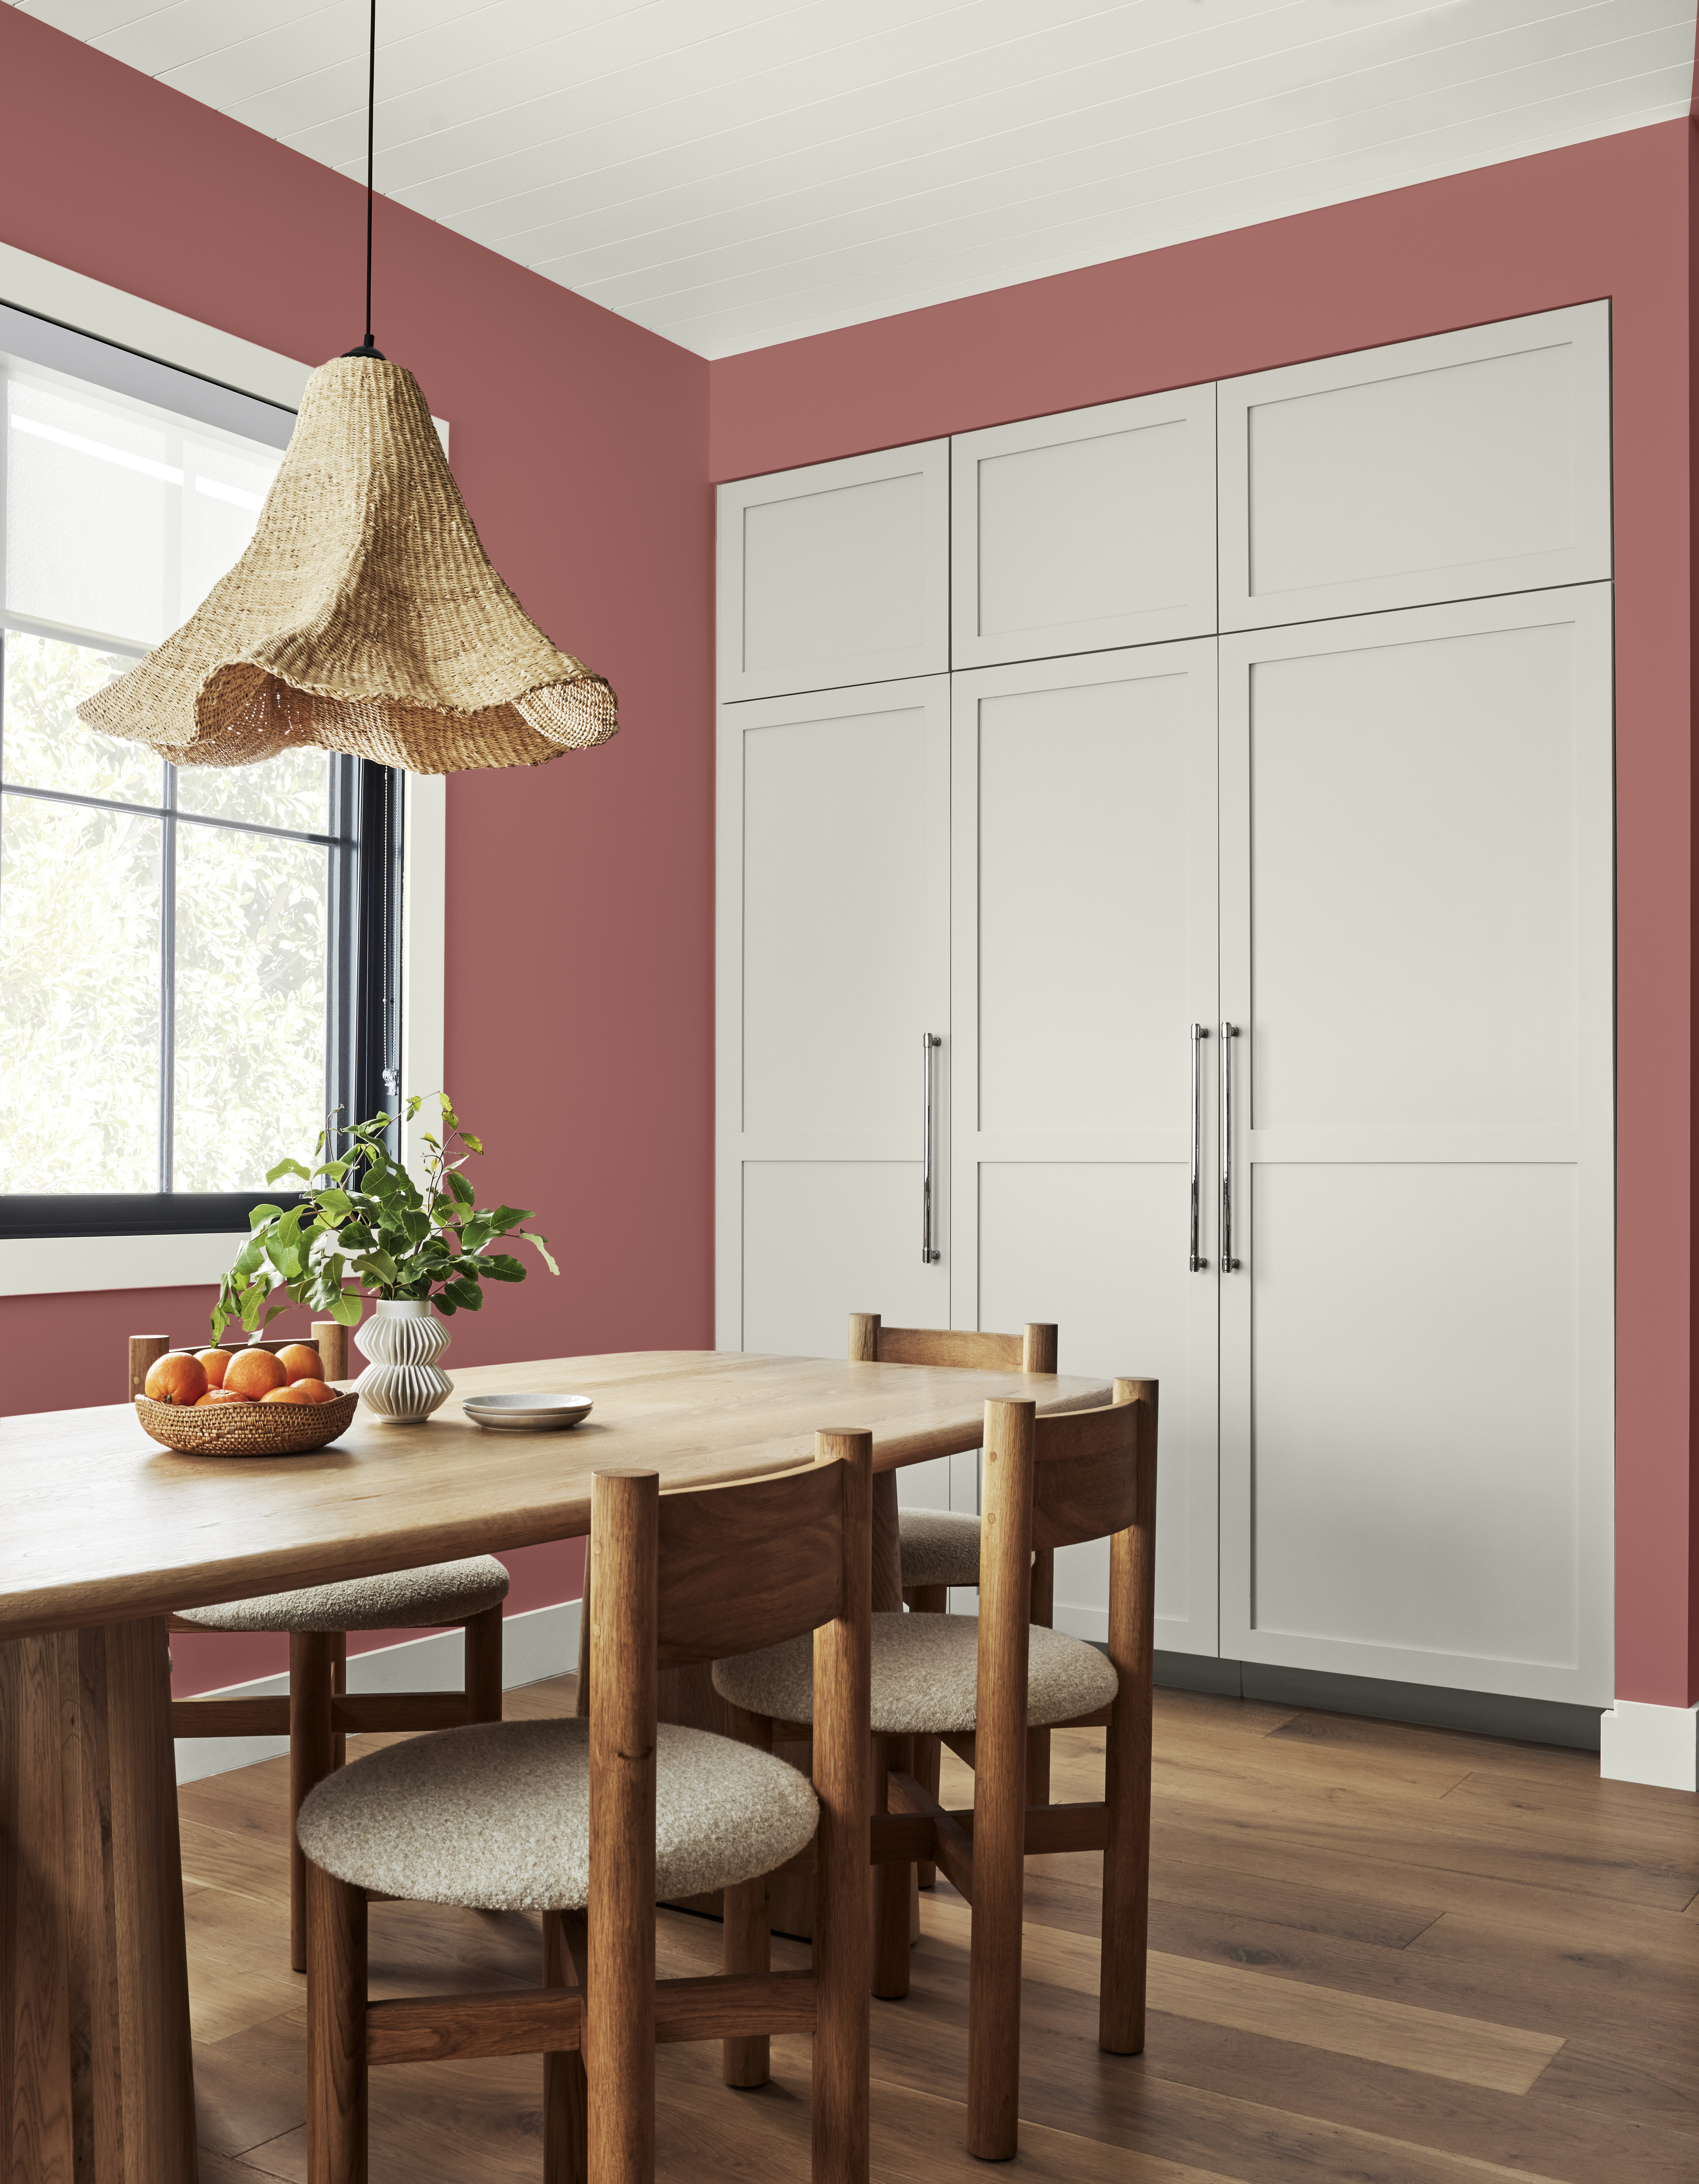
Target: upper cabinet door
{"points": [[1454, 468], [836, 574], [1085, 532]]}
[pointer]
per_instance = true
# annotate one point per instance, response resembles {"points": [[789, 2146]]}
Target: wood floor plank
{"points": [[1436, 2043]]}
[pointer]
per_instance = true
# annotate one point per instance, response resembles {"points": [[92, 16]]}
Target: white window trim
{"points": [[56, 1266]]}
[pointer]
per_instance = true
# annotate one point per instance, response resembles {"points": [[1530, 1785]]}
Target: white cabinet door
{"points": [[1085, 947], [833, 963], [1417, 1345], [1446, 468], [1081, 531], [835, 574]]}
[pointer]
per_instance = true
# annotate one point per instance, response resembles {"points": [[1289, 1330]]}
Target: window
{"points": [[196, 964]]}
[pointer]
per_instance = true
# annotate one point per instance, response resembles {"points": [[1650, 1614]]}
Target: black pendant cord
{"points": [[367, 348]]}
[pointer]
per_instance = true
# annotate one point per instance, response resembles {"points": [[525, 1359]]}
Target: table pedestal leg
{"points": [[96, 2083]]}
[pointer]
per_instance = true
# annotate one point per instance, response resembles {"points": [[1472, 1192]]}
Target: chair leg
{"points": [[928, 1752], [483, 1666], [1127, 1793], [565, 2099], [747, 1949], [336, 2032], [891, 1884], [1038, 1740], [928, 1772], [339, 1685], [310, 1759]]}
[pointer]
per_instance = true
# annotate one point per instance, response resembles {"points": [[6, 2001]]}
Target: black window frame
{"points": [[364, 840]]}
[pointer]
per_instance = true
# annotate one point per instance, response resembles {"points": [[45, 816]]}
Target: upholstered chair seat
{"points": [[938, 1547], [399, 1600], [924, 1672], [497, 1817]]}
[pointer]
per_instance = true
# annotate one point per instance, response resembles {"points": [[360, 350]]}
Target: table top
{"points": [[99, 1523]]}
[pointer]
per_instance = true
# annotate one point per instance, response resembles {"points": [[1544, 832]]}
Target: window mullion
{"points": [[168, 976]]}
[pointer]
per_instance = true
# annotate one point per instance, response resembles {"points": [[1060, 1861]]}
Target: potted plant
{"points": [[416, 1251]]}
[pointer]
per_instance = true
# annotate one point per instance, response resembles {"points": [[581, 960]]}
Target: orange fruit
{"points": [[214, 1361], [316, 1391], [297, 1391], [300, 1361], [254, 1373], [221, 1396], [178, 1377]]}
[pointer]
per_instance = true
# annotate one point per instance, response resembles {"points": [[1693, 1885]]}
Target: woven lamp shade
{"points": [[364, 616]]}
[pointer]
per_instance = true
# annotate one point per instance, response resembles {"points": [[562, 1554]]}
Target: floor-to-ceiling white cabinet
{"points": [[1246, 752]]}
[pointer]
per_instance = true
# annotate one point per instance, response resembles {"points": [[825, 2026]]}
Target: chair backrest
{"points": [[728, 1569], [873, 1343], [1054, 1481], [1086, 1467]]}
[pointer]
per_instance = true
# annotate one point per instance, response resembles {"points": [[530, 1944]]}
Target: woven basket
{"points": [[245, 1428], [364, 616]]}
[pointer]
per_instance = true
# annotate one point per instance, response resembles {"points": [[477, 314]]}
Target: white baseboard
{"points": [[1658, 1744], [543, 1641]]}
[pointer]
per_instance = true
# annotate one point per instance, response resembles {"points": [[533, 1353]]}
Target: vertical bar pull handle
{"points": [[1229, 1265], [1196, 1263], [930, 1043]]}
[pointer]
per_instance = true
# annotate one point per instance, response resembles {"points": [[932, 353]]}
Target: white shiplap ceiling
{"points": [[736, 172]]}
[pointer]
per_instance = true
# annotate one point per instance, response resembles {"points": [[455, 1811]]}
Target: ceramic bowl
{"points": [[527, 1413]]}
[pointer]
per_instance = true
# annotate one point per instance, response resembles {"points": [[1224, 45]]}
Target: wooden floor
{"points": [[1380, 1953]]}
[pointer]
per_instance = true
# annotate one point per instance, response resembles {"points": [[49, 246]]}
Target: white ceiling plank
{"points": [[906, 68], [850, 296], [730, 172], [1045, 163], [993, 140], [581, 105], [1267, 167], [517, 191]]}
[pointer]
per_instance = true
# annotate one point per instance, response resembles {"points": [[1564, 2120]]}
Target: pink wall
{"points": [[580, 990], [1609, 218]]}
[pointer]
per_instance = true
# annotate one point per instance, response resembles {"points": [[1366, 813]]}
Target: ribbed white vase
{"points": [[403, 1383]]}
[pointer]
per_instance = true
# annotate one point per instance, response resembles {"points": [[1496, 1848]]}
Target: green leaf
{"points": [[459, 1189], [476, 1144], [531, 1237], [258, 1215], [501, 1267], [288, 1168], [466, 1294]]}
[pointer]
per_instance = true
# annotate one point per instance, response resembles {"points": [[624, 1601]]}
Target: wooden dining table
{"points": [[103, 1534]]}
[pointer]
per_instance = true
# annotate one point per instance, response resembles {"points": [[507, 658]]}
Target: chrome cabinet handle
{"points": [[1200, 1032], [1229, 1265], [930, 1043]]}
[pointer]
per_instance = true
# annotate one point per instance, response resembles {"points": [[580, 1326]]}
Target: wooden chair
{"points": [[939, 1548], [318, 1714], [981, 1684], [593, 1822]]}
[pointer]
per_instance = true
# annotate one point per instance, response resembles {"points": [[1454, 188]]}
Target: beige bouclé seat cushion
{"points": [[939, 1546], [497, 1817], [925, 1677], [399, 1600]]}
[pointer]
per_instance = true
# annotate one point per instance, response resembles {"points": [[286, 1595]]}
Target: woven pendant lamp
{"points": [[364, 616]]}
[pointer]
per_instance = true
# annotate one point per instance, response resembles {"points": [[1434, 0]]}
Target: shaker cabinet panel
{"points": [[1078, 532], [1084, 947], [836, 574], [833, 963], [1417, 1328], [1450, 468]]}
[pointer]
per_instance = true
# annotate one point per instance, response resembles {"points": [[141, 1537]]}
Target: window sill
{"points": [[55, 1266]]}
